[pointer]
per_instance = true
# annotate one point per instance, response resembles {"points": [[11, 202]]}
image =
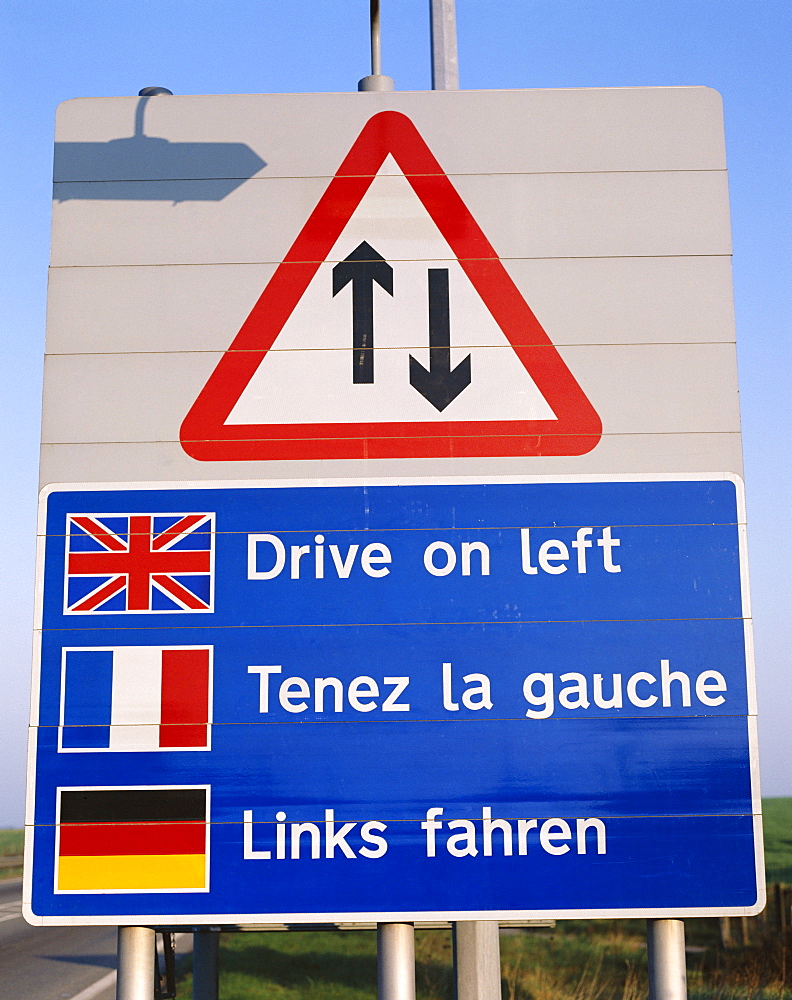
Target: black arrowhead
{"points": [[440, 385], [363, 267]]}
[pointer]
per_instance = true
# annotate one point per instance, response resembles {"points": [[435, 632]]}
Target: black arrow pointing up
{"points": [[440, 385], [363, 267]]}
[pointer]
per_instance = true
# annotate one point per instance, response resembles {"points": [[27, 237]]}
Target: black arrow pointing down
{"points": [[441, 384]]}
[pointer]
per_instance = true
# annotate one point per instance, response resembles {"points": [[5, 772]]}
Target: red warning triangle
{"points": [[207, 433]]}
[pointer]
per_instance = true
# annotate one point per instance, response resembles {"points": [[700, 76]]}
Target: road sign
{"points": [[588, 283], [284, 674], [297, 382], [426, 700]]}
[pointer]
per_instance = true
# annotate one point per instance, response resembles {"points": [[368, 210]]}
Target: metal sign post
{"points": [[396, 961], [667, 973], [206, 945], [445, 63], [477, 960], [376, 81], [135, 963], [395, 942]]}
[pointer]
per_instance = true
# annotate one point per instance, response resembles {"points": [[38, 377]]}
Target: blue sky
{"points": [[63, 49]]}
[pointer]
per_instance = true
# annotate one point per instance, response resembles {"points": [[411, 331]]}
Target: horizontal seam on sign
{"points": [[519, 621], [449, 174], [469, 527], [381, 437], [472, 621], [262, 263], [366, 718], [476, 621], [405, 347], [420, 818]]}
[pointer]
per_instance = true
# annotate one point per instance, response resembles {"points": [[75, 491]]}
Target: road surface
{"points": [[52, 963], [57, 963]]}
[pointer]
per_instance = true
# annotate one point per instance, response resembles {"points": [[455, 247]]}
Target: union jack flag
{"points": [[139, 563]]}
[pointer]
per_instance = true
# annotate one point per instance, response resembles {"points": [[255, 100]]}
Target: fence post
{"points": [[781, 913]]}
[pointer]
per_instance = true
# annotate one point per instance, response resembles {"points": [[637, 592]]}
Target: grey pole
{"points": [[396, 961], [476, 942], [206, 969], [477, 960], [376, 38], [665, 941], [135, 963], [445, 62], [376, 81]]}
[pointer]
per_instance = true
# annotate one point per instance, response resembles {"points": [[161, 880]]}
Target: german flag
{"points": [[132, 840]]}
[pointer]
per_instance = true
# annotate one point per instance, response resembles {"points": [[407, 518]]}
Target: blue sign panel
{"points": [[338, 702]]}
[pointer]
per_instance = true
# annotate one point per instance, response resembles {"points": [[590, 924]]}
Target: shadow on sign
{"points": [[144, 168]]}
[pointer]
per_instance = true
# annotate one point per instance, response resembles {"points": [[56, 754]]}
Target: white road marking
{"points": [[10, 911], [98, 987]]}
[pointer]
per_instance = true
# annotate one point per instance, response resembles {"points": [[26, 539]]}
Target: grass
{"points": [[11, 842], [579, 960], [778, 839], [11, 845], [309, 965]]}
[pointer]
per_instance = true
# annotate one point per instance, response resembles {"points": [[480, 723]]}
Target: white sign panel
{"points": [[525, 282]]}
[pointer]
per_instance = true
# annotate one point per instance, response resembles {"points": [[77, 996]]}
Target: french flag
{"points": [[135, 698]]}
